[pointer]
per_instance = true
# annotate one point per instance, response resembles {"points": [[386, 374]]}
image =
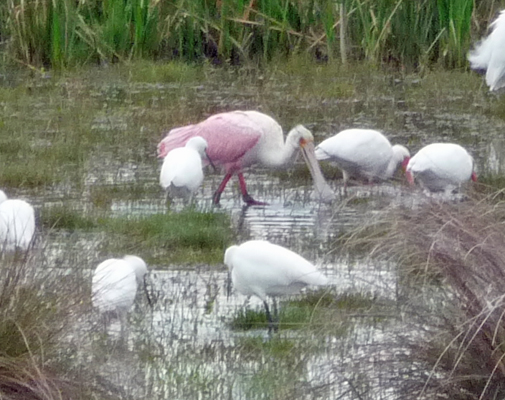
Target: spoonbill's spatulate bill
{"points": [[17, 224], [238, 139], [441, 167], [364, 154], [260, 268], [489, 54], [114, 285], [182, 170]]}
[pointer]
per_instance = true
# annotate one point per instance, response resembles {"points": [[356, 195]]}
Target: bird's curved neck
{"points": [[284, 155]]}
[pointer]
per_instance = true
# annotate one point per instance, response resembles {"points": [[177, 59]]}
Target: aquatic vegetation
{"points": [[187, 237], [68, 33], [460, 334], [35, 315]]}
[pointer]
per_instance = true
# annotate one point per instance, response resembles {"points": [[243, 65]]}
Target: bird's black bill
{"points": [[210, 162], [148, 297]]}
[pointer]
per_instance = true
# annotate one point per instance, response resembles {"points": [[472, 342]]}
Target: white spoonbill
{"points": [[263, 269], [364, 154], [238, 139], [489, 54], [114, 286], [441, 167], [17, 224], [182, 171]]}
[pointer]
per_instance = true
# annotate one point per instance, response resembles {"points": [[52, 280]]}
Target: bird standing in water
{"points": [[239, 139], [364, 154], [263, 269], [441, 167], [182, 170]]}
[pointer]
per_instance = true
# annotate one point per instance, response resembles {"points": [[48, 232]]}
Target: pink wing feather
{"points": [[229, 136]]}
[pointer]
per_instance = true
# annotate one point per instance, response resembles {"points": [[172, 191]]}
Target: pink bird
{"points": [[238, 139]]}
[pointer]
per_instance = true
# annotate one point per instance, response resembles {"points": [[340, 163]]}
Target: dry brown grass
{"points": [[451, 289]]}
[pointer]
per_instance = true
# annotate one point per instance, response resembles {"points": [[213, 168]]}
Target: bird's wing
{"points": [[229, 136]]}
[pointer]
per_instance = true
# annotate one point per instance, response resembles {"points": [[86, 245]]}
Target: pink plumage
{"points": [[238, 139]]}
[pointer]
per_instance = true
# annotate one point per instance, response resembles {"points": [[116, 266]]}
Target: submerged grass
{"points": [[318, 311]]}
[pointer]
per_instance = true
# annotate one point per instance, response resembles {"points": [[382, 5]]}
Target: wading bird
{"points": [[364, 154], [17, 224], [489, 54], [114, 286], [238, 139], [441, 167], [263, 269], [182, 171]]}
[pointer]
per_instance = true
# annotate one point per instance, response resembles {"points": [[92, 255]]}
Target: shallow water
{"points": [[183, 348]]}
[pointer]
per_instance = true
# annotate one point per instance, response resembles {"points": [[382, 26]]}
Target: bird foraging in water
{"points": [[441, 167], [263, 269], [17, 224], [239, 139], [114, 286], [364, 154], [182, 170], [489, 54]]}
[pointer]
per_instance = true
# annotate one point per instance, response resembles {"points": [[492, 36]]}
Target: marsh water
{"points": [[183, 347]]}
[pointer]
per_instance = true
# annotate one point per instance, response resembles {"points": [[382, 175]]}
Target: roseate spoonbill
{"points": [[238, 139], [263, 269], [364, 154], [17, 224], [489, 54], [441, 167], [182, 171], [114, 286]]}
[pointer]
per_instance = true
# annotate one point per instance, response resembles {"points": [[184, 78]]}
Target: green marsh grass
{"points": [[318, 311], [67, 33], [187, 237]]}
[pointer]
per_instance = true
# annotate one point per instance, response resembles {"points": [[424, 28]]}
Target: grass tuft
{"points": [[459, 315]]}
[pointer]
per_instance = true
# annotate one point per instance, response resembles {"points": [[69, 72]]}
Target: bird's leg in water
{"points": [[246, 196], [273, 326], [222, 185]]}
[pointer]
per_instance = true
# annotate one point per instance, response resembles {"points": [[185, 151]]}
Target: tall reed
{"points": [[67, 32]]}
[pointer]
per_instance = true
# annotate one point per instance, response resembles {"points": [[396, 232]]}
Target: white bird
{"points": [[17, 224], [441, 167], [364, 154], [182, 171], [489, 54], [239, 139], [263, 269], [114, 285]]}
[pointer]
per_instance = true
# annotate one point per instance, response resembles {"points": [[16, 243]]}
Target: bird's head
{"points": [[301, 136], [138, 265], [401, 155]]}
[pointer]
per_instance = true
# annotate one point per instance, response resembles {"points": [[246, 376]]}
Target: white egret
{"points": [[263, 269], [17, 224], [364, 154], [114, 286], [182, 171], [489, 54], [441, 167]]}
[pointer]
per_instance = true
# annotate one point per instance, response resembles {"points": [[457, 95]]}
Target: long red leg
{"points": [[222, 185], [246, 196]]}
